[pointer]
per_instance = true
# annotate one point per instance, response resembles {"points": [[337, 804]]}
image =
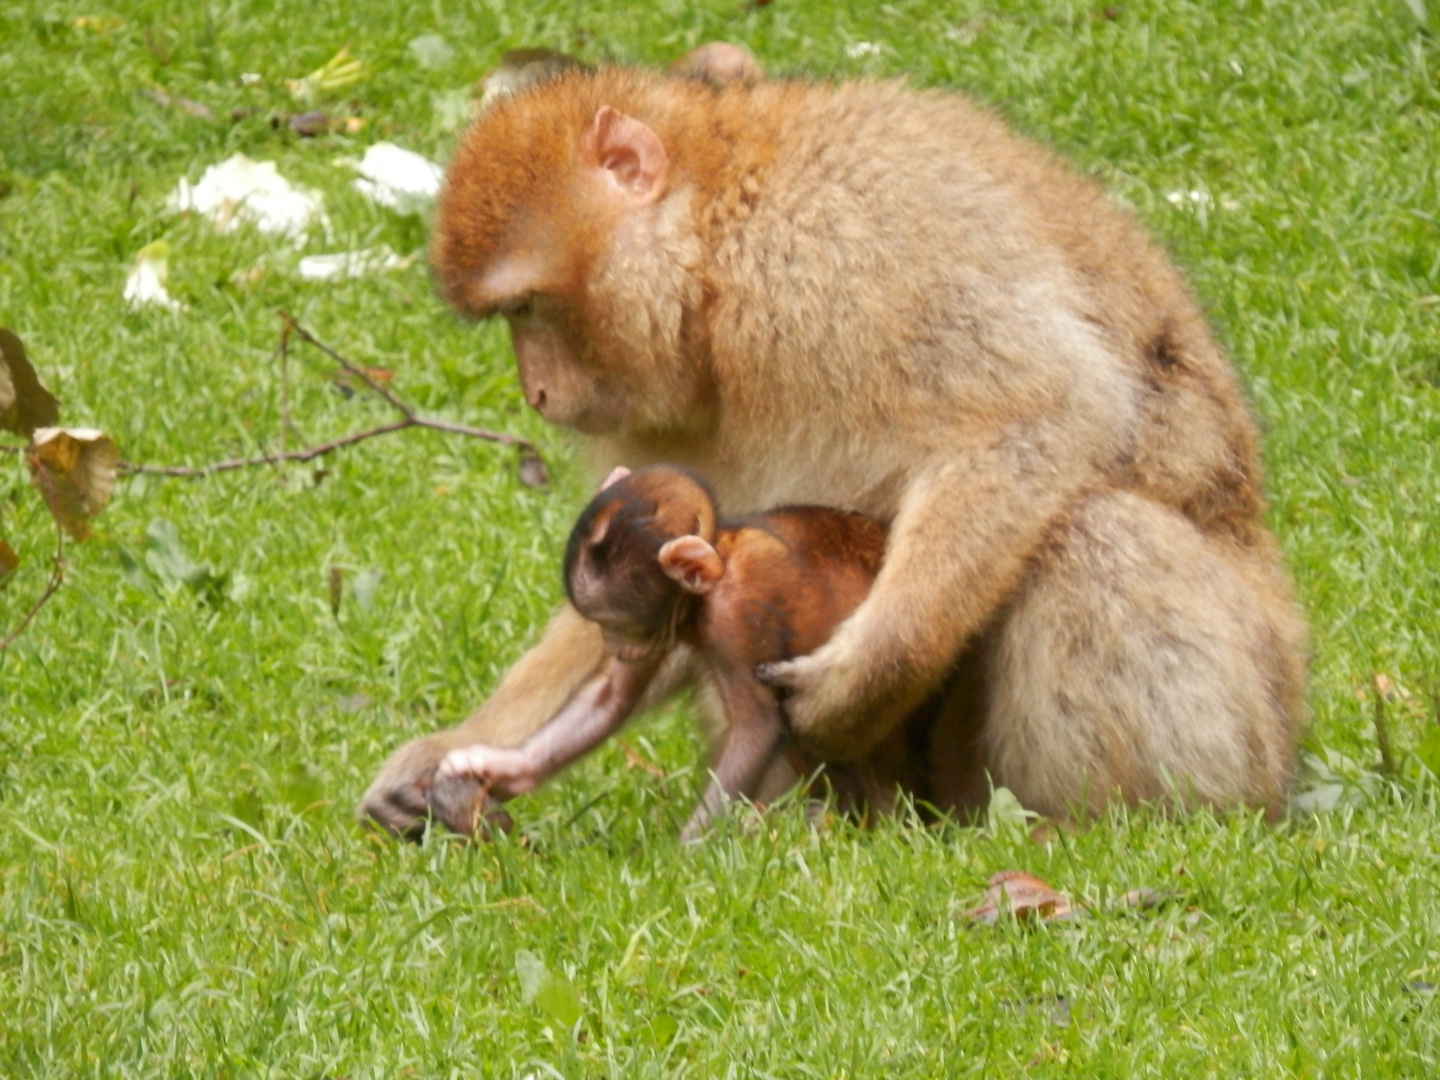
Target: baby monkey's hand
{"points": [[505, 772]]}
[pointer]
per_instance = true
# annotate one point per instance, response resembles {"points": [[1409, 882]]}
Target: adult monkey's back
{"points": [[880, 300]]}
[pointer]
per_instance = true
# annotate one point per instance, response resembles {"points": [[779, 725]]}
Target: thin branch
{"points": [[307, 454], [532, 467], [197, 109], [409, 418], [293, 327], [282, 353], [1384, 690], [57, 576], [474, 433]]}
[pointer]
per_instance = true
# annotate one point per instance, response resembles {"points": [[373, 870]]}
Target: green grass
{"points": [[182, 889]]}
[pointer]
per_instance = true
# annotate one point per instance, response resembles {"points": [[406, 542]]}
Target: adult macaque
{"points": [[649, 564], [881, 300]]}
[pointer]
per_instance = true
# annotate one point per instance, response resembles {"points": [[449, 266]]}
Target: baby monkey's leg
{"points": [[753, 739]]}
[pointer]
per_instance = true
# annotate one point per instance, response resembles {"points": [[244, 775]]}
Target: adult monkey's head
{"points": [[566, 212]]}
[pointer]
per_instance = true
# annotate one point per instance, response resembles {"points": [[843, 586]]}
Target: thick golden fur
{"points": [[882, 300]]}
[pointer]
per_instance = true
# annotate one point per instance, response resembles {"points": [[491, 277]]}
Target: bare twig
{"points": [[410, 418], [197, 109], [306, 454], [293, 327], [532, 467], [57, 575], [1384, 690], [282, 352]]}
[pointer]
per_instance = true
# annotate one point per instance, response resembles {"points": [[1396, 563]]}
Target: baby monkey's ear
{"points": [[620, 472], [692, 562]]}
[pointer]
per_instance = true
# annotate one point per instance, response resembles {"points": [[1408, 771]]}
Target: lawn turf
{"points": [[183, 891]]}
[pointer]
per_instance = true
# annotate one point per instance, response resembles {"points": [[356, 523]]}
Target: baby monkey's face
{"points": [[618, 564], [637, 624], [628, 643]]}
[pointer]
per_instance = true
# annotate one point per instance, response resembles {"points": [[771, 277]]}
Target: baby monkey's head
{"points": [[639, 553]]}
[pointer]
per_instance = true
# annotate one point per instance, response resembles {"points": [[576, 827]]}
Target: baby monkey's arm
{"points": [[602, 704]]}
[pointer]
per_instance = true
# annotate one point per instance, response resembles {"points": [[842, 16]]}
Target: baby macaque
{"points": [[650, 563]]}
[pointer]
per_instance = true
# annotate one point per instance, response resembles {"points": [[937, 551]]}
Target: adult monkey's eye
{"points": [[519, 308]]}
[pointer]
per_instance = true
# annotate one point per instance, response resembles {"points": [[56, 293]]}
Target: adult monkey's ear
{"points": [[719, 62], [627, 156], [692, 562]]}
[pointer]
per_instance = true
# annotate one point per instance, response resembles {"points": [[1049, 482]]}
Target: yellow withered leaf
{"points": [[74, 471], [24, 404], [8, 560]]}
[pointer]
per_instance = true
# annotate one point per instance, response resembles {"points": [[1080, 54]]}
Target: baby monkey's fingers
{"points": [[506, 772]]}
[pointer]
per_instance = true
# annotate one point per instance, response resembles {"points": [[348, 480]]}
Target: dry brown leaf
{"points": [[348, 382], [197, 109], [1048, 830], [1024, 896], [308, 124], [8, 560], [636, 760], [74, 470], [24, 404], [533, 473], [1147, 899]]}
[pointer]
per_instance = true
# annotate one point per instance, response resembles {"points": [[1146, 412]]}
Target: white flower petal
{"points": [[399, 179], [145, 281], [239, 189], [349, 264]]}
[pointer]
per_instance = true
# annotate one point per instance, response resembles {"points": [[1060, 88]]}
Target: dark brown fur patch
{"points": [[1161, 350]]}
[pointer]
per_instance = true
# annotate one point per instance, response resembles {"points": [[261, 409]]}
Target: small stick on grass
{"points": [[57, 577], [409, 418], [1384, 689], [282, 353]]}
